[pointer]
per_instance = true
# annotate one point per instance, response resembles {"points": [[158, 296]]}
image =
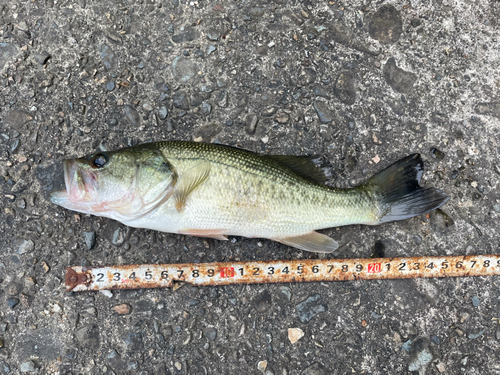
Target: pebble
{"points": [[110, 85], [210, 48], [406, 345], [311, 307], [400, 80], [45, 267], [415, 22], [475, 334], [295, 334], [436, 154], [420, 356], [319, 92], [119, 236], [492, 109], [323, 111], [475, 301], [187, 35], [386, 25], [112, 121], [262, 365], [180, 100], [113, 36], [21, 203], [16, 118], [42, 57], [147, 107], [7, 52], [134, 341], [28, 366], [12, 302], [206, 108], [284, 293], [441, 367], [210, 333], [344, 88], [108, 57], [123, 309], [170, 125], [306, 77], [222, 99], [282, 117], [89, 238], [435, 340], [262, 302], [132, 115], [163, 112], [315, 369], [106, 293], [13, 288], [15, 146], [183, 69], [159, 84], [27, 246], [251, 121], [464, 316], [207, 88]]}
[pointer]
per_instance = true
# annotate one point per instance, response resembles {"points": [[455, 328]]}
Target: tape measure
{"points": [[279, 271]]}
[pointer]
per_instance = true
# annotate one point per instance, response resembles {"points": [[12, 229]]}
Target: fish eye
{"points": [[98, 161]]}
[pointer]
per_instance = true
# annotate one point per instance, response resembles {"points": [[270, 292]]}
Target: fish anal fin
{"points": [[314, 241], [217, 234], [313, 168], [189, 181]]}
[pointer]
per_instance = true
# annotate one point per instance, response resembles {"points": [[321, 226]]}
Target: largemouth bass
{"points": [[211, 190]]}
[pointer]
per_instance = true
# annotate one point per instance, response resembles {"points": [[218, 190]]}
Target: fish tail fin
{"points": [[400, 195]]}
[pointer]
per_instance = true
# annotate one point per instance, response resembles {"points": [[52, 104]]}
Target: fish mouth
{"points": [[80, 186]]}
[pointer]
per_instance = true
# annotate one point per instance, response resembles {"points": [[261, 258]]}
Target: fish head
{"points": [[125, 184]]}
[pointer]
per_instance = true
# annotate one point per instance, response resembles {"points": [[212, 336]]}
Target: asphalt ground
{"points": [[362, 83]]}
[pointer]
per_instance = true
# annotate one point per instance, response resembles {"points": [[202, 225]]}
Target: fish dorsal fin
{"points": [[189, 181], [313, 241], [313, 168]]}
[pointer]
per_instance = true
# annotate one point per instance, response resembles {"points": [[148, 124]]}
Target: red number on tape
{"points": [[227, 272], [374, 267]]}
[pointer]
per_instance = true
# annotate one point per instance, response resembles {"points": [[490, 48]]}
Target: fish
{"points": [[215, 191]]}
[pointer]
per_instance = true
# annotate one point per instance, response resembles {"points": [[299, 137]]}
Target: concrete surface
{"points": [[363, 82]]}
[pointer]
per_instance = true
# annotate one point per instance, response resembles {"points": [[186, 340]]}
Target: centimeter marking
{"points": [[280, 271]]}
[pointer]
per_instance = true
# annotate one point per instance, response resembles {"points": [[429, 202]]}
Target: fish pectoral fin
{"points": [[189, 181], [314, 241], [218, 234]]}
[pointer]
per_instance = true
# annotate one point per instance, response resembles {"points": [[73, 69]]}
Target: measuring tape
{"points": [[279, 271]]}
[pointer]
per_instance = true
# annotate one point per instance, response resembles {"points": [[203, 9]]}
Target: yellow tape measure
{"points": [[279, 271]]}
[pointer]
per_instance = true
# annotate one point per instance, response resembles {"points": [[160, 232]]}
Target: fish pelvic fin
{"points": [[313, 241], [400, 195]]}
